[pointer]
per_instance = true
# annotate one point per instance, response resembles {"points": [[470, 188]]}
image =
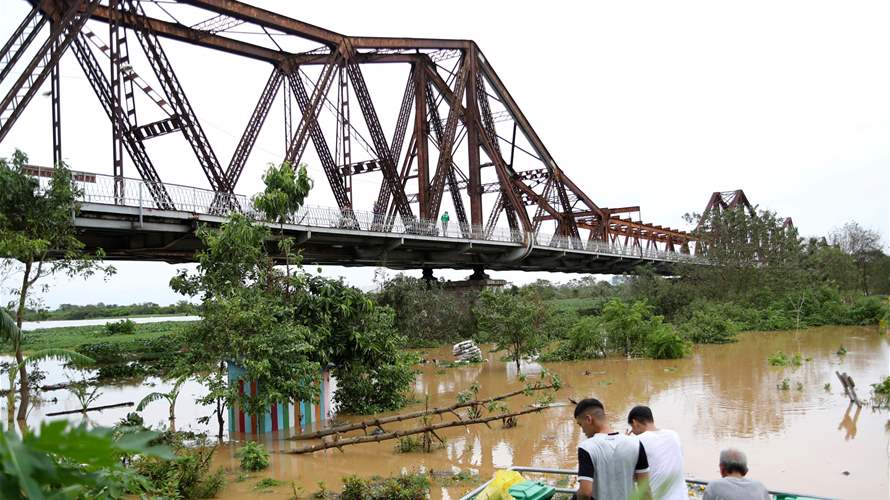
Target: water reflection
{"points": [[798, 440]]}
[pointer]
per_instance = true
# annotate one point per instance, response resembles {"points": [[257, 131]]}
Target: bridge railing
{"points": [[100, 188]]}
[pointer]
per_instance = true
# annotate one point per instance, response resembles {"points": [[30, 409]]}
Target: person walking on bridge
{"points": [[445, 218]]}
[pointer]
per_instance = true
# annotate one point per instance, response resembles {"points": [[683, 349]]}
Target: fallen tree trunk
{"points": [[94, 408], [377, 422], [418, 430]]}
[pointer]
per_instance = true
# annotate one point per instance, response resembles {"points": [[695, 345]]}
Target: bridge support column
{"points": [[479, 274], [428, 275]]}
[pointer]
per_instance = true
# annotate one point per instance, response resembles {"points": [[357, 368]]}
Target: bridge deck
{"points": [[140, 233]]}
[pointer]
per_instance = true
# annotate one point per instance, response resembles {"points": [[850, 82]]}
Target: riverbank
{"points": [[72, 337]]}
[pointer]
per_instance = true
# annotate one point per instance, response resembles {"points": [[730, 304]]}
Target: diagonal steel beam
{"points": [[384, 153], [190, 126], [300, 139], [252, 130], [398, 138], [20, 40], [134, 145], [42, 63], [335, 180], [446, 142]]}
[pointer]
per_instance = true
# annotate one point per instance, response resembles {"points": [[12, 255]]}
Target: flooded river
{"points": [[803, 439]]}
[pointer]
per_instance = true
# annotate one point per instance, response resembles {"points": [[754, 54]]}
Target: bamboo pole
{"points": [[417, 430], [378, 422], [94, 408]]}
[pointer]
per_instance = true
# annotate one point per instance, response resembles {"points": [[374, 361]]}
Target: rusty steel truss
{"points": [[457, 129]]}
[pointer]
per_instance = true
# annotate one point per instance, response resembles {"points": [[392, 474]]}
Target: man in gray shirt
{"points": [[608, 462], [734, 485]]}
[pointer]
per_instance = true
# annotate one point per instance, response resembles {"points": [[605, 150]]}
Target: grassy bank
{"points": [[76, 336]]}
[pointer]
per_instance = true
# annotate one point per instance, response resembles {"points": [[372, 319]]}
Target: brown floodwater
{"points": [[806, 439]]}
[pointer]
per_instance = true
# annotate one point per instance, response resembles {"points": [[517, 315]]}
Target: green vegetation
{"points": [[779, 358], [283, 326], [267, 483], [881, 393], [253, 456], [511, 321], [73, 337], [62, 461], [122, 327], [187, 474], [100, 311], [37, 240], [170, 396], [426, 313], [403, 487]]}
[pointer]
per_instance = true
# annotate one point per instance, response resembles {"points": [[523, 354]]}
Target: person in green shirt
{"points": [[445, 218]]}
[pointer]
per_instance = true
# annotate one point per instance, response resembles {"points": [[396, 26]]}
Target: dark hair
{"points": [[587, 404], [642, 414]]}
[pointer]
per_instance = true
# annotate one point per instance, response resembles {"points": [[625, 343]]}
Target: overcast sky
{"points": [[647, 103]]}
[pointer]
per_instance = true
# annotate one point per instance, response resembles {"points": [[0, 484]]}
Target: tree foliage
{"points": [[37, 231], [510, 320], [426, 313], [284, 328], [62, 461]]}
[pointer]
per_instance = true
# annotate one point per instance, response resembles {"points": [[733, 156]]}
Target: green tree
{"points": [[37, 232], [508, 319], [427, 314], [863, 244], [283, 328], [746, 251]]}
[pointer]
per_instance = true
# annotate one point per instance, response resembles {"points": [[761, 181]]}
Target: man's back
{"points": [[735, 488], [610, 460], [665, 457]]}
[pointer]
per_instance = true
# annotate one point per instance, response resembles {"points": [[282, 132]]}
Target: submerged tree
{"points": [[509, 320], [282, 329], [37, 237]]}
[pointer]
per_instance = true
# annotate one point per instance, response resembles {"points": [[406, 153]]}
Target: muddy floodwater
{"points": [[805, 439]]}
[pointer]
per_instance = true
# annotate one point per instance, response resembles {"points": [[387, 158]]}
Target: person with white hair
{"points": [[733, 484]]}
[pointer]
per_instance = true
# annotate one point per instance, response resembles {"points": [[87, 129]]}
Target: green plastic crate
{"points": [[531, 490]]}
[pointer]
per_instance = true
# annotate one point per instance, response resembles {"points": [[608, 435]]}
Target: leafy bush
{"points": [[253, 456], [363, 389], [665, 343], [404, 487], [62, 461], [187, 475], [779, 358], [868, 310], [881, 393], [267, 483], [708, 326], [586, 340], [122, 327], [103, 352]]}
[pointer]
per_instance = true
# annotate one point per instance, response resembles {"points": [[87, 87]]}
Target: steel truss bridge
{"points": [[457, 131]]}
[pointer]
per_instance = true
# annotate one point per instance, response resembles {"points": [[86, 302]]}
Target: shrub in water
{"points": [[709, 326], [665, 343], [122, 327], [253, 456]]}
